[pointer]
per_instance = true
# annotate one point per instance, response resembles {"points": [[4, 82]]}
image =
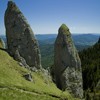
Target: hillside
{"points": [[90, 59], [91, 65], [13, 86]]}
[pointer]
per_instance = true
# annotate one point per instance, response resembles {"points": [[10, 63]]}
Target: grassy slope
{"points": [[13, 86]]}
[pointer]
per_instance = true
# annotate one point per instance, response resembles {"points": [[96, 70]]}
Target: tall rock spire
{"points": [[22, 44], [67, 71]]}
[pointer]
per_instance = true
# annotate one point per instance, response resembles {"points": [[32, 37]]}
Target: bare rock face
{"points": [[21, 41], [67, 71]]}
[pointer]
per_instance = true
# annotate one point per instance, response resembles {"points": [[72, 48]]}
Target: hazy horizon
{"points": [[45, 17], [57, 33]]}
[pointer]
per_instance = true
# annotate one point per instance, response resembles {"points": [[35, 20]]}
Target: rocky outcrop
{"points": [[67, 71], [28, 77], [22, 44], [2, 44]]}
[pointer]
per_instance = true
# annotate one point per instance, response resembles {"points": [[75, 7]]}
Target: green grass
{"points": [[21, 95], [12, 83]]}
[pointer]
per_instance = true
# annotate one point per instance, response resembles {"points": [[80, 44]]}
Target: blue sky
{"points": [[46, 16]]}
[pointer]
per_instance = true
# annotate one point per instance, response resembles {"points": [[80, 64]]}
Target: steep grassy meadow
{"points": [[13, 86]]}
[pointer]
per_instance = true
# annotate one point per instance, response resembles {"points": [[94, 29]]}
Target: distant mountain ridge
{"points": [[79, 39]]}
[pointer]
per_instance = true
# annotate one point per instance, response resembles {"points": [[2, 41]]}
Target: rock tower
{"points": [[67, 71], [21, 42]]}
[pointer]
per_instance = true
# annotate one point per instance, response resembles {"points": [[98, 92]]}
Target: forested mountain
{"points": [[90, 59]]}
